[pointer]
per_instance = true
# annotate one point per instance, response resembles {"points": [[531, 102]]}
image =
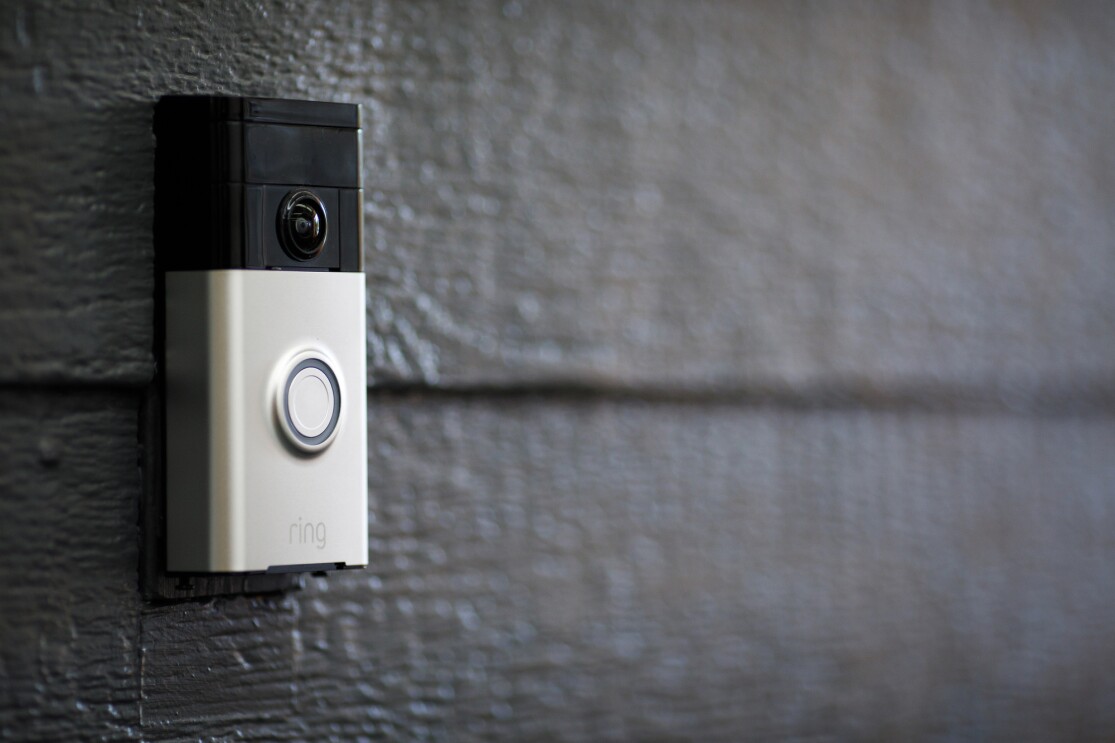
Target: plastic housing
{"points": [[244, 492], [240, 496]]}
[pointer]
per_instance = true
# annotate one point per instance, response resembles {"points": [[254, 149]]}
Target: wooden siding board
{"points": [[574, 568], [221, 668], [561, 571], [728, 197], [69, 609]]}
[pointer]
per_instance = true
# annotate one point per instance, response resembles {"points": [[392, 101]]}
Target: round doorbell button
{"points": [[310, 403]]}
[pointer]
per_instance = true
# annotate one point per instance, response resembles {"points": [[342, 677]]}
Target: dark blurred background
{"points": [[736, 371]]}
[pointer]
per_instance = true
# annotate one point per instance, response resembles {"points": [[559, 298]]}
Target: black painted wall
{"points": [[736, 371]]}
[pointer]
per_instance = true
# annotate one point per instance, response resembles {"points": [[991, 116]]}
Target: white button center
{"points": [[310, 402]]}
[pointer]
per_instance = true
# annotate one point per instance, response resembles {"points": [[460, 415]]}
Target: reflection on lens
{"points": [[302, 225]]}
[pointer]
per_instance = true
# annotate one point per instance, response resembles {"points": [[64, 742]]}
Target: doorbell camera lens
{"points": [[303, 225]]}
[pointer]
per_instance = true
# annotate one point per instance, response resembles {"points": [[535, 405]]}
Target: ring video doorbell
{"points": [[258, 225]]}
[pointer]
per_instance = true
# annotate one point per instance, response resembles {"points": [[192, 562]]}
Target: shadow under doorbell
{"points": [[258, 226]]}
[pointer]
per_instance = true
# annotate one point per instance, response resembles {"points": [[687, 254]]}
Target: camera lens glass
{"points": [[303, 225]]}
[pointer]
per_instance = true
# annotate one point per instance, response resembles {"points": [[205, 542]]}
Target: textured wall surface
{"points": [[736, 370]]}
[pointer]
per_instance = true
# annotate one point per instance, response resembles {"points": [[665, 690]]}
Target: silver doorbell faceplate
{"points": [[258, 231]]}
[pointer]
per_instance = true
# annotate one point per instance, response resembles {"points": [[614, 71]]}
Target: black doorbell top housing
{"points": [[257, 183]]}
